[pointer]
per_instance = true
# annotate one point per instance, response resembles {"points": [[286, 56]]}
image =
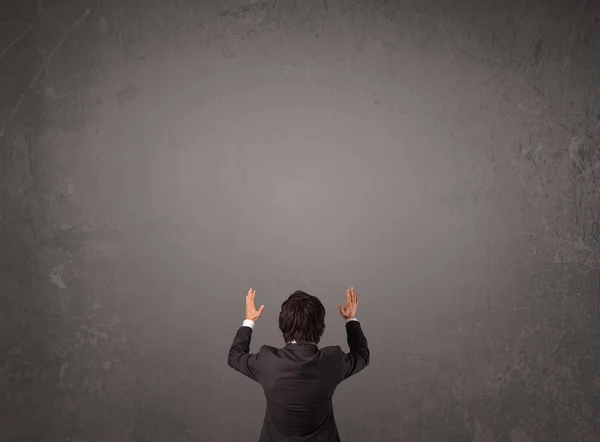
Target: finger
{"points": [[354, 296], [348, 297]]}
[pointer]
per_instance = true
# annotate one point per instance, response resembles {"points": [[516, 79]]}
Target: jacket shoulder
{"points": [[331, 349], [267, 349]]}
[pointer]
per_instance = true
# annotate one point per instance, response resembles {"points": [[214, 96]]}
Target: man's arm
{"points": [[240, 358], [359, 356]]}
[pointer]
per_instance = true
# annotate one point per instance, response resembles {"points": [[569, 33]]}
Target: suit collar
{"points": [[301, 347]]}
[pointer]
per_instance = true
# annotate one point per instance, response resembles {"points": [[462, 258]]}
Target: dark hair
{"points": [[302, 318]]}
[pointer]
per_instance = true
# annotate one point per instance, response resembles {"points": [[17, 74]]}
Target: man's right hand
{"points": [[351, 304]]}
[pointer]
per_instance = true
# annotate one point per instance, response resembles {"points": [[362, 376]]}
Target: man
{"points": [[299, 380]]}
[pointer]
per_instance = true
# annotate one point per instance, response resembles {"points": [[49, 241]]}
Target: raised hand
{"points": [[251, 312], [349, 311]]}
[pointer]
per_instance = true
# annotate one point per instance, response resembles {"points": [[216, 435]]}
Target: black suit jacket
{"points": [[299, 381]]}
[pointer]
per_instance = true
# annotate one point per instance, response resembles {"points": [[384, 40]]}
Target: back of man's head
{"points": [[302, 318]]}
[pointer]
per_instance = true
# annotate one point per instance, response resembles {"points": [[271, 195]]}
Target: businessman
{"points": [[299, 379]]}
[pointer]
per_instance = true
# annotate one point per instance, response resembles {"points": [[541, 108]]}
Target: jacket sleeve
{"points": [[240, 358], [359, 356]]}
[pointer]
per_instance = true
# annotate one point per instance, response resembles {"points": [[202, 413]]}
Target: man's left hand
{"points": [[251, 312]]}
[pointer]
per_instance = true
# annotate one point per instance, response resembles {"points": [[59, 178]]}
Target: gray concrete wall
{"points": [[160, 158]]}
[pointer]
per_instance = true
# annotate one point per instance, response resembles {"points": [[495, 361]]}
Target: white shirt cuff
{"points": [[351, 319], [248, 323]]}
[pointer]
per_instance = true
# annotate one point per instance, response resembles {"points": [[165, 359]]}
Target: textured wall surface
{"points": [[158, 158]]}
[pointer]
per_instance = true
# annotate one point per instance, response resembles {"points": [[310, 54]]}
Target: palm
{"points": [[252, 313], [349, 311]]}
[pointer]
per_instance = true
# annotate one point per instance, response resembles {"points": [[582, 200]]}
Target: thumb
{"points": [[260, 310], [341, 309]]}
